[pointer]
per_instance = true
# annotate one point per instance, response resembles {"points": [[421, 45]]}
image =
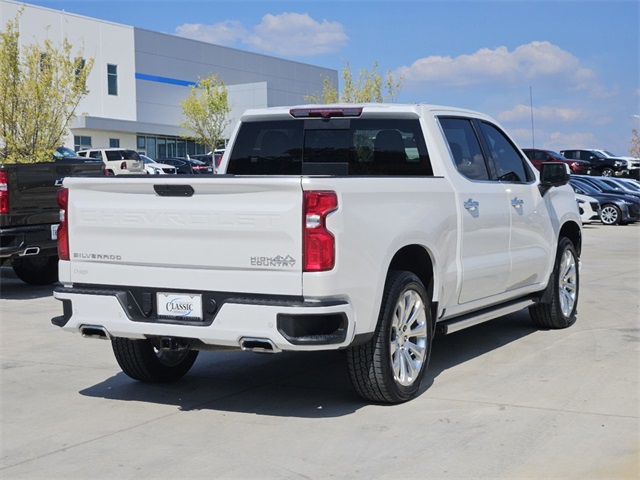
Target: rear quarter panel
{"points": [[377, 216]]}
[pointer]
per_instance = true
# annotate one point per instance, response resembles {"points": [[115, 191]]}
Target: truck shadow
{"points": [[305, 385], [12, 288]]}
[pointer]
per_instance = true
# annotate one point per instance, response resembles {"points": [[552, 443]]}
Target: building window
{"points": [[80, 64], [112, 79], [114, 143], [81, 143], [164, 147]]}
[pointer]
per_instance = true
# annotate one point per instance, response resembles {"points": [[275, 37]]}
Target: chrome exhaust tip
{"points": [[95, 331], [29, 252], [258, 345]]}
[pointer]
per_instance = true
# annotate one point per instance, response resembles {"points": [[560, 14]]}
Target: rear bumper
{"points": [[286, 323], [27, 240]]}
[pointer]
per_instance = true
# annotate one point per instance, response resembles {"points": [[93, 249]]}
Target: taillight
{"points": [[63, 228], [4, 192], [319, 243]]}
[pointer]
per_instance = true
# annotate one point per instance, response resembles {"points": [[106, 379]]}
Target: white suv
{"points": [[117, 161]]}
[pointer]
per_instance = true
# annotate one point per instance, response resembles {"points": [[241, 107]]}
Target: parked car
{"points": [[208, 158], [623, 185], [30, 214], [187, 166], [634, 162], [154, 168], [448, 245], [117, 161], [61, 153], [589, 208], [606, 187], [600, 163], [538, 156], [615, 209]]}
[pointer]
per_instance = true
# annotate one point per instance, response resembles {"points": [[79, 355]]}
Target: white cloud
{"points": [[287, 34], [560, 140], [553, 140], [523, 112], [222, 33], [500, 67], [297, 34]]}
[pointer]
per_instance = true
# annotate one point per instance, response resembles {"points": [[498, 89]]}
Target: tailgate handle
{"points": [[174, 190]]}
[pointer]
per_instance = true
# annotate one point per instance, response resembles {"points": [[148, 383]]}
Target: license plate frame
{"points": [[179, 306]]}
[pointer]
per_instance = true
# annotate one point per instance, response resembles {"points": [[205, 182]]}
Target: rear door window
{"points": [[336, 146]]}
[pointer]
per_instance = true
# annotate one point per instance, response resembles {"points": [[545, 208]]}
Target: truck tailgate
{"points": [[215, 233]]}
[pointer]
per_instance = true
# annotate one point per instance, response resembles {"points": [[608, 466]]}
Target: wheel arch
{"points": [[573, 232], [415, 259]]}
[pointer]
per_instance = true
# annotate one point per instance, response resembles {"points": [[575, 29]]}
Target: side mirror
{"points": [[553, 174]]}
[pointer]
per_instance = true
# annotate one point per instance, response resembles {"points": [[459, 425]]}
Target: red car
{"points": [[537, 157]]}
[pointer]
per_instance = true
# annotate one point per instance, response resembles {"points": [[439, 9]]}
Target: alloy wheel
{"points": [[567, 283], [609, 215], [408, 338]]}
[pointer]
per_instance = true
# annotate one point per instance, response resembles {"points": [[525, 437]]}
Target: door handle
{"points": [[516, 202], [471, 204]]}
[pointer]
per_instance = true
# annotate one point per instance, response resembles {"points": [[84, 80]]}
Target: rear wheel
{"points": [[390, 367], [142, 361], [38, 270], [560, 311]]}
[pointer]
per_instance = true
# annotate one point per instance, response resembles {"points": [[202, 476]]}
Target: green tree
{"points": [[40, 89], [368, 87], [206, 111], [635, 144]]}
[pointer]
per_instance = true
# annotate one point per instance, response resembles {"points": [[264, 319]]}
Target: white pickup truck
{"points": [[367, 228]]}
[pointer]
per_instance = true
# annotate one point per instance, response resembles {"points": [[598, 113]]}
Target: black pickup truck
{"points": [[29, 215]]}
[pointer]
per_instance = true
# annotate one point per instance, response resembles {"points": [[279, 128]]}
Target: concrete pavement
{"points": [[501, 400]]}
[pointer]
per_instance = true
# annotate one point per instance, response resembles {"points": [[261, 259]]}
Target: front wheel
{"points": [[610, 214], [390, 367], [560, 311], [607, 172], [142, 361]]}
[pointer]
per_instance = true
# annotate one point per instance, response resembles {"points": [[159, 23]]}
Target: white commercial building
{"points": [[139, 78]]}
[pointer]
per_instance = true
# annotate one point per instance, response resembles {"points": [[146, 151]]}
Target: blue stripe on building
{"points": [[167, 80]]}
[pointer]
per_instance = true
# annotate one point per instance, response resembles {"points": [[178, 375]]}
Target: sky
{"points": [[556, 74]]}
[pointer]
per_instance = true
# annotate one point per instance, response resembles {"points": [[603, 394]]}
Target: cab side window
{"points": [[509, 165], [465, 148]]}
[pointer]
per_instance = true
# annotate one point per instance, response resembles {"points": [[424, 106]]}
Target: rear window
{"points": [[113, 155], [336, 146]]}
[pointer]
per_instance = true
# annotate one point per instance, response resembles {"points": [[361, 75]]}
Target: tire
{"points": [[140, 360], [561, 310], [607, 172], [390, 367], [610, 214], [38, 270]]}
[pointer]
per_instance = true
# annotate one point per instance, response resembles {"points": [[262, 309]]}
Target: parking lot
{"points": [[501, 400]]}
